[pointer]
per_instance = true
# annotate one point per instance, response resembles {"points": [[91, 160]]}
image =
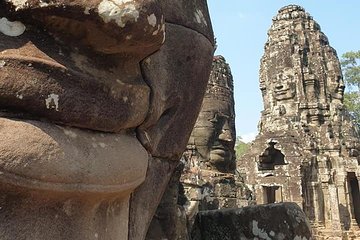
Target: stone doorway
{"points": [[355, 195], [272, 194]]}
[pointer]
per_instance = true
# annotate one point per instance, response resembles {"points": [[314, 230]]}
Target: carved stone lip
{"points": [[44, 156], [48, 90], [36, 184], [282, 91], [219, 150], [341, 90]]}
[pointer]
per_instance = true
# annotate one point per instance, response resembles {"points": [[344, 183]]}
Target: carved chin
{"points": [[44, 156]]}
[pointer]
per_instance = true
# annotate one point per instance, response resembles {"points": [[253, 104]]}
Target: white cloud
{"points": [[248, 137]]}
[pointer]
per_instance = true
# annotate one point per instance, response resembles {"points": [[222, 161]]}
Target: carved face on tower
{"points": [[214, 132], [300, 74], [335, 80], [294, 77], [118, 90], [284, 87]]}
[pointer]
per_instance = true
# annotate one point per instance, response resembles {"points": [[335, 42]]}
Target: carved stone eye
{"points": [[214, 119]]}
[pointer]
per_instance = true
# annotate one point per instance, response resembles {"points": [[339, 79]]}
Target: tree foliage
{"points": [[351, 69], [350, 64], [240, 147]]}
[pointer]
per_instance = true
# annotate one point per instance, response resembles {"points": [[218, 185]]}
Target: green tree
{"points": [[240, 147], [350, 64]]}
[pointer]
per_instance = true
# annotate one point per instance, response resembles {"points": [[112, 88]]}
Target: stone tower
{"points": [[307, 150], [208, 175]]}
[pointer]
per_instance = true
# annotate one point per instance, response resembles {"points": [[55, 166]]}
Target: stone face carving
{"points": [[208, 176], [205, 177], [94, 100], [213, 136], [306, 127]]}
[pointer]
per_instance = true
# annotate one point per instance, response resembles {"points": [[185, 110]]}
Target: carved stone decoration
{"points": [[213, 136], [314, 162], [94, 112], [205, 177], [208, 176]]}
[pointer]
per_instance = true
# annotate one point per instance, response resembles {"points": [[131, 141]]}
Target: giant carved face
{"points": [[284, 87], [335, 81], [101, 87], [213, 136], [214, 131]]}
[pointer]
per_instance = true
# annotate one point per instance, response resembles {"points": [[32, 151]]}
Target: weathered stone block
{"points": [[272, 221]]}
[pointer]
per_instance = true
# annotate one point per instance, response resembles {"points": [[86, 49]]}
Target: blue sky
{"points": [[241, 26]]}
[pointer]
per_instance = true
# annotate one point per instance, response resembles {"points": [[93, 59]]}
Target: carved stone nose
{"points": [[225, 135], [341, 85], [135, 26]]}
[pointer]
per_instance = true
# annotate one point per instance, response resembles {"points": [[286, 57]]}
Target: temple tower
{"points": [[307, 150]]}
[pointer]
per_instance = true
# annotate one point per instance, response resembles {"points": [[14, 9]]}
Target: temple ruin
{"points": [[307, 150]]}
